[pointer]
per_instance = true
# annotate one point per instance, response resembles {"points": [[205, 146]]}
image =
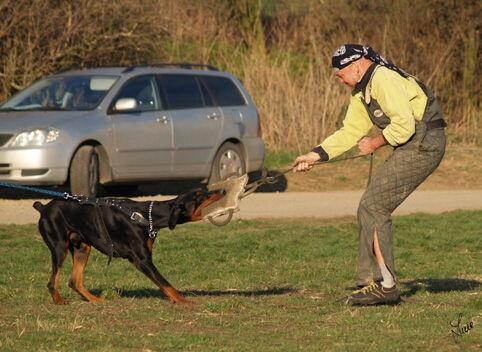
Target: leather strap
{"points": [[134, 216], [439, 123]]}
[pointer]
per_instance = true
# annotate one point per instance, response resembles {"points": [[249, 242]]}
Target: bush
{"points": [[298, 98]]}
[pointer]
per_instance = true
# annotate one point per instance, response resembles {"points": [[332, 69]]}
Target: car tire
{"points": [[229, 160], [84, 172]]}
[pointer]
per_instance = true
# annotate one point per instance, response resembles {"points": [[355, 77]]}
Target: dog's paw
{"points": [[94, 299], [61, 302], [183, 300]]}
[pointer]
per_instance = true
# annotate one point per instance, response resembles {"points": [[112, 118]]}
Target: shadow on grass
{"points": [[149, 293], [439, 285], [268, 292]]}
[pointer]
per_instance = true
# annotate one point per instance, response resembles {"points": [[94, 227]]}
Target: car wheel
{"points": [[84, 172], [229, 160]]}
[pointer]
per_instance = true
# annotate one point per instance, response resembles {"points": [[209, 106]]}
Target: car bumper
{"points": [[34, 166], [255, 150]]}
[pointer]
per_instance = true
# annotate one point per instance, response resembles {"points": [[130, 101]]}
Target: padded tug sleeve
{"points": [[234, 188]]}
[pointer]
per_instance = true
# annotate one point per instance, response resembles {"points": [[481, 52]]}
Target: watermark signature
{"points": [[460, 329]]}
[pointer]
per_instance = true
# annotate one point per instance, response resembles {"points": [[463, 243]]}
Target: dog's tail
{"points": [[39, 206]]}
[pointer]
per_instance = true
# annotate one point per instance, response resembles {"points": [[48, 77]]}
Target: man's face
{"points": [[349, 75]]}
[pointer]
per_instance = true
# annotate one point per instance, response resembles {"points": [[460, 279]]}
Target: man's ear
{"points": [[174, 216]]}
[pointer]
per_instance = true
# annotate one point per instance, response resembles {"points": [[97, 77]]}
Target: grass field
{"points": [[258, 286]]}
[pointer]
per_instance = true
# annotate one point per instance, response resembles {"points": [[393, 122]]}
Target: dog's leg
{"points": [[58, 257], [59, 247], [148, 269], [80, 255]]}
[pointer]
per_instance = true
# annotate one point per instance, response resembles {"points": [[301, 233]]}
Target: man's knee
{"points": [[370, 214]]}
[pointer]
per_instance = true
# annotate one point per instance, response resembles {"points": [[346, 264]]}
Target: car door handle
{"points": [[163, 119], [213, 116]]}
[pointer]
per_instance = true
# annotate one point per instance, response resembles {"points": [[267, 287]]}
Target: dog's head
{"points": [[188, 205]]}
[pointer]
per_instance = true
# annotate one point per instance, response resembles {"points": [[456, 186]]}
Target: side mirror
{"points": [[125, 104]]}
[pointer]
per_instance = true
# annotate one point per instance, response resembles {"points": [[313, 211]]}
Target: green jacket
{"points": [[401, 99]]}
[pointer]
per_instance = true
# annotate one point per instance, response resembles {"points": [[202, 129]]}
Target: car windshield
{"points": [[61, 93]]}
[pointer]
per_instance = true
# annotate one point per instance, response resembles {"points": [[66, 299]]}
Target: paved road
{"points": [[293, 205]]}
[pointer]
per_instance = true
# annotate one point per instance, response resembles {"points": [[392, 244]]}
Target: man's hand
{"points": [[305, 162], [368, 145]]}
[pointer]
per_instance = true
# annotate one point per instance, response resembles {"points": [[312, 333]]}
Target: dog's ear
{"points": [[174, 216]]}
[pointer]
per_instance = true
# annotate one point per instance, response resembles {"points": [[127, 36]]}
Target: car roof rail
{"points": [[185, 65], [81, 67]]}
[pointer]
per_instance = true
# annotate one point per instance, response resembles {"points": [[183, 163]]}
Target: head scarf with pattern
{"points": [[348, 53]]}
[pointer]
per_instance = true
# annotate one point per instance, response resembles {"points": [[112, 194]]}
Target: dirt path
{"points": [[293, 205], [327, 191]]}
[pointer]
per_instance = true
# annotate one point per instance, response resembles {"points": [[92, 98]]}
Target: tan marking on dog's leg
{"points": [[175, 296], [153, 274], [80, 257], [53, 284], [150, 244], [54, 290]]}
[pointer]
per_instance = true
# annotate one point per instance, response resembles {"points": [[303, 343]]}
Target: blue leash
{"points": [[38, 190], [134, 216]]}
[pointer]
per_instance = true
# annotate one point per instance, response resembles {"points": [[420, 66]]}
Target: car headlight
{"points": [[35, 137]]}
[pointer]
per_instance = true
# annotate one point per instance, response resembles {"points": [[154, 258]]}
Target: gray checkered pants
{"points": [[406, 168]]}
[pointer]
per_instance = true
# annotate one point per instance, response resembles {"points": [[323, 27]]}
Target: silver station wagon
{"points": [[125, 126]]}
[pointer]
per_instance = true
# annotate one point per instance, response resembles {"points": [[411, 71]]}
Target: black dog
{"points": [[69, 225]]}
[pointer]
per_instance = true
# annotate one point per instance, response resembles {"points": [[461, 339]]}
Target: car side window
{"points": [[144, 90], [182, 91], [208, 100], [224, 90]]}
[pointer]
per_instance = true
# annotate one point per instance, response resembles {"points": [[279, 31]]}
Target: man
{"points": [[410, 120]]}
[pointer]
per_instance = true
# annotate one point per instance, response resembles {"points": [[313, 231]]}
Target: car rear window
{"points": [[182, 91], [225, 91]]}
